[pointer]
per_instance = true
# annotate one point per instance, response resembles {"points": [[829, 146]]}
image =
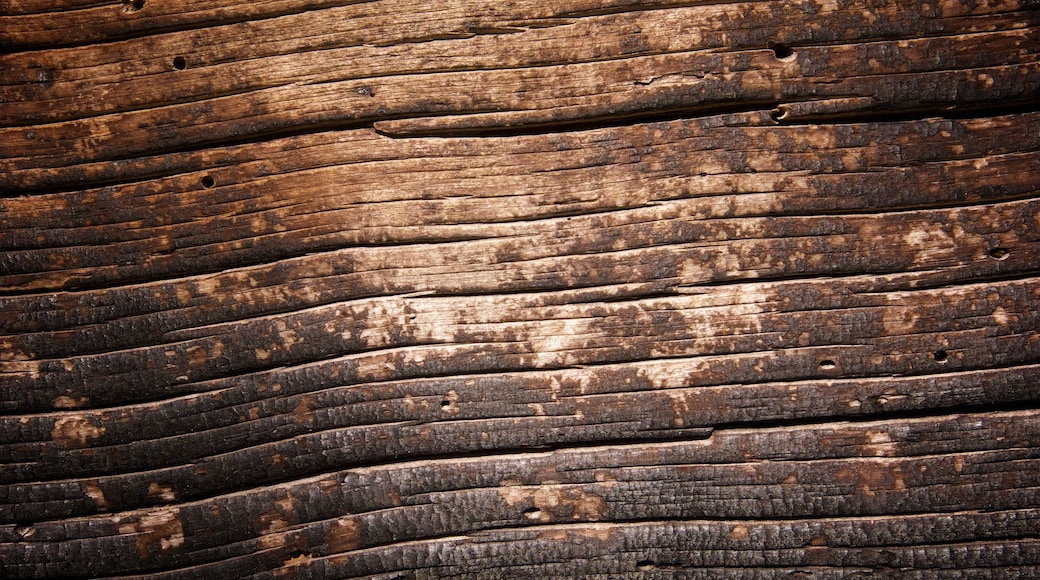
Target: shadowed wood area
{"points": [[592, 288]]}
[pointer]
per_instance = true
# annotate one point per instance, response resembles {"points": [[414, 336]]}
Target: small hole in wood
{"points": [[940, 356], [445, 405], [780, 50], [131, 6], [179, 63], [532, 513], [207, 181], [999, 253], [777, 115], [645, 565], [827, 364]]}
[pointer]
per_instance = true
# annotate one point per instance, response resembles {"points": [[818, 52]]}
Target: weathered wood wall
{"points": [[325, 289]]}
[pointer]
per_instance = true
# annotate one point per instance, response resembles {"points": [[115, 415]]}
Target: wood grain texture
{"points": [[602, 288]]}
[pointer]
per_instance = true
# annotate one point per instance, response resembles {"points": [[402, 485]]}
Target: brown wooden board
{"points": [[594, 288]]}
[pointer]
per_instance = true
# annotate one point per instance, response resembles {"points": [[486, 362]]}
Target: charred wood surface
{"points": [[593, 288]]}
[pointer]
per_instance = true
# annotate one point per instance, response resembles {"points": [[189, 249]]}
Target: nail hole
{"points": [[207, 181], [179, 63], [780, 50], [827, 364], [645, 565], [999, 253], [132, 5], [445, 405], [939, 356]]}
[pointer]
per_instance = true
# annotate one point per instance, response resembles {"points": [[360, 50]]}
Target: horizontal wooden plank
{"points": [[363, 41], [877, 468], [182, 224], [339, 329], [676, 254], [373, 408], [944, 73], [537, 96], [31, 440], [133, 442]]}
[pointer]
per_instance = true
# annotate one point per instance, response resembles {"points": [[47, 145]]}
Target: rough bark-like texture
{"points": [[592, 288]]}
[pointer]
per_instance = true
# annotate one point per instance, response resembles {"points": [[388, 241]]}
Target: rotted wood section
{"points": [[591, 288]]}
